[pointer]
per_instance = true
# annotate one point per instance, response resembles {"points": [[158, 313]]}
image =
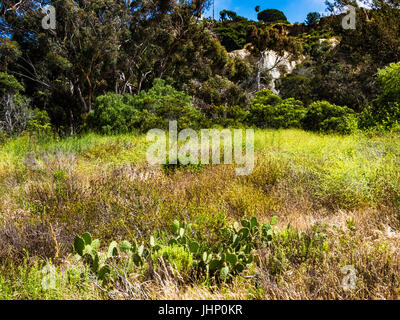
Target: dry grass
{"points": [[344, 190]]}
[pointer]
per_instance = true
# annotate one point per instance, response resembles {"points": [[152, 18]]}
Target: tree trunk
{"points": [[258, 76], [84, 105], [71, 119]]}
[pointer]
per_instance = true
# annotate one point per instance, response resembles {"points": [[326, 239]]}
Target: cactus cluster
{"points": [[233, 254], [230, 255], [87, 249]]}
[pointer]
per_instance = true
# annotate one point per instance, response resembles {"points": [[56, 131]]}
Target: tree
{"points": [[264, 37], [14, 107], [104, 46], [257, 8], [271, 15], [313, 18], [297, 87], [227, 14]]}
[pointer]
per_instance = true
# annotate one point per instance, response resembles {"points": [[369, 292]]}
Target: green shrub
{"points": [[389, 115], [145, 120], [325, 117], [387, 106], [40, 124], [232, 37], [288, 114], [266, 97], [112, 114], [240, 70], [294, 86], [270, 111], [154, 99], [389, 82], [259, 105], [219, 91], [163, 103], [345, 125], [367, 119], [147, 110], [228, 116]]}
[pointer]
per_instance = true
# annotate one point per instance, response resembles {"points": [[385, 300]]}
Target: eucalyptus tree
{"points": [[100, 46], [261, 38]]}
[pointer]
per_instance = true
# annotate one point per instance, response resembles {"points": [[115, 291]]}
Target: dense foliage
{"points": [[115, 113], [313, 18], [98, 69], [267, 110], [271, 15], [323, 116]]}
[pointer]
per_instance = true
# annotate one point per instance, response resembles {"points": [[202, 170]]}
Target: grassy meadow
{"points": [[337, 200]]}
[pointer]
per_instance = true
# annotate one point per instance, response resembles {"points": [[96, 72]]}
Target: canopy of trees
{"points": [[313, 18], [271, 15], [121, 47], [105, 45]]}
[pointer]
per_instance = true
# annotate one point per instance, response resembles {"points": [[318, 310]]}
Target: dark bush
{"points": [[326, 117], [313, 18], [112, 114], [219, 91], [387, 107], [227, 116], [147, 110], [271, 15], [268, 110], [297, 87]]}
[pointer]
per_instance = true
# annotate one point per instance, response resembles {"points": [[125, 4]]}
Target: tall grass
{"points": [[348, 187]]}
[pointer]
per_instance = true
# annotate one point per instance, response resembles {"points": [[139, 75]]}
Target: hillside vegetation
{"points": [[83, 215]]}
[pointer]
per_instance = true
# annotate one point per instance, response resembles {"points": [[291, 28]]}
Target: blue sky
{"points": [[295, 10]]}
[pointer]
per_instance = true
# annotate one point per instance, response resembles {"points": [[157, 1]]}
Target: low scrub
{"points": [[325, 117], [115, 114], [268, 110]]}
